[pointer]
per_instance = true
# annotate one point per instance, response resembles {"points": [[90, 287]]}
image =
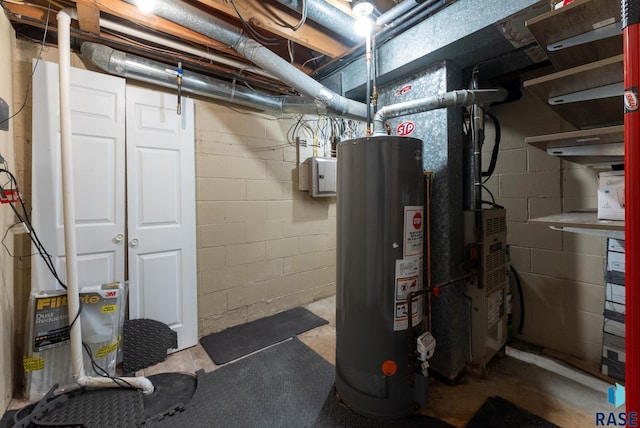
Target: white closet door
{"points": [[98, 139], [161, 222]]}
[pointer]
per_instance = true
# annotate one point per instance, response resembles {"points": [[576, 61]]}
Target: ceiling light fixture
{"points": [[146, 6], [362, 7]]}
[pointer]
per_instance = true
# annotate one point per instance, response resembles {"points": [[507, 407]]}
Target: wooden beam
{"points": [[88, 17], [133, 14], [279, 22]]}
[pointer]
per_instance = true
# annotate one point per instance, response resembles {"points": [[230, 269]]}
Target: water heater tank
{"points": [[380, 218]]}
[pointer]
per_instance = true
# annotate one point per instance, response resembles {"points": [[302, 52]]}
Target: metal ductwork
{"points": [[188, 16], [134, 67], [326, 15], [459, 98]]}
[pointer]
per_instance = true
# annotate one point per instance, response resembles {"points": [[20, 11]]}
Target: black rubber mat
{"points": [[241, 340], [500, 413], [114, 408], [336, 415], [282, 386], [171, 391], [144, 343]]}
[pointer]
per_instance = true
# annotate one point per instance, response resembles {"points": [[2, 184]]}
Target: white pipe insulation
{"points": [[68, 204]]}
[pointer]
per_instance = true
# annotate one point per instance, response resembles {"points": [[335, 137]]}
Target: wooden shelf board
{"points": [[583, 114], [606, 135], [579, 220], [574, 19]]}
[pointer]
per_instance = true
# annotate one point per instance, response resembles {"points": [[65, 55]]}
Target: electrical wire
{"points": [[303, 19], [269, 41], [519, 284]]}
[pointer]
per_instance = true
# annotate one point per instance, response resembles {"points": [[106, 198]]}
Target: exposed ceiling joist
{"points": [[88, 17]]}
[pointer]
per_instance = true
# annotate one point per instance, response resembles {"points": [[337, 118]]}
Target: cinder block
{"points": [[539, 161], [580, 182], [244, 211], [517, 208], [243, 167], [313, 243], [247, 125], [211, 304], [214, 235], [283, 247], [305, 227], [278, 287], [210, 258], [265, 190], [245, 253], [533, 236], [512, 161], [222, 279], [306, 262], [221, 189], [280, 171], [540, 207], [577, 267], [262, 271], [264, 230], [279, 210], [210, 213], [245, 296], [210, 166], [582, 296]]}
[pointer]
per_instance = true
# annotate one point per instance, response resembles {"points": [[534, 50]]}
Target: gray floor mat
{"points": [[241, 340], [282, 386]]}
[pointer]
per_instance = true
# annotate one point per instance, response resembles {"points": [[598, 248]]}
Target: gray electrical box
{"points": [[322, 176]]}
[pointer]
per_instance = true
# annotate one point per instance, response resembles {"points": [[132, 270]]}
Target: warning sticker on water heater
{"points": [[412, 231], [408, 279]]}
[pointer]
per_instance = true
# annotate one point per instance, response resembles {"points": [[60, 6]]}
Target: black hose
{"points": [[496, 147], [519, 283]]}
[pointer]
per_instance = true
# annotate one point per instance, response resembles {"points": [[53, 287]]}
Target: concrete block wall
{"points": [[562, 273], [263, 246]]}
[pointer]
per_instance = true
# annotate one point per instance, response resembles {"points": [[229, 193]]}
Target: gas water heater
{"points": [[380, 223]]}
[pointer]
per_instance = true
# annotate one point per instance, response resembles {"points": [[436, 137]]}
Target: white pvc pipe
{"points": [[68, 206]]}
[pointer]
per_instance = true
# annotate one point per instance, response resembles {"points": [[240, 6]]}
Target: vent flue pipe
{"points": [[458, 98], [137, 68], [191, 17], [330, 17]]}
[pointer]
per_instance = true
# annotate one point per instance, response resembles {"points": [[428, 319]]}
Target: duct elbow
{"points": [[105, 58]]}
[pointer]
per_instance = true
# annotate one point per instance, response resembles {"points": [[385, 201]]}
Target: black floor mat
{"points": [[500, 413], [241, 340], [282, 386], [336, 415]]}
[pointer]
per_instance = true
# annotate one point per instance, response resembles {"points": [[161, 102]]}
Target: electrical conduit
{"points": [[68, 204]]}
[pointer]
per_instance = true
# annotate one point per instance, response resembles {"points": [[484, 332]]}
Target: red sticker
{"points": [[631, 99], [405, 128], [400, 92], [417, 221]]}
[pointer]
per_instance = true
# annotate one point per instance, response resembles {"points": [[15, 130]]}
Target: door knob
{"points": [[118, 238], [134, 242]]}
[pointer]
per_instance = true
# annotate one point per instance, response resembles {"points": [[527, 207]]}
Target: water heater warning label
{"points": [[408, 279], [413, 226]]}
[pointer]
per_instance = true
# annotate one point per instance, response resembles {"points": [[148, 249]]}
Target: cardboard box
{"points": [[611, 195]]}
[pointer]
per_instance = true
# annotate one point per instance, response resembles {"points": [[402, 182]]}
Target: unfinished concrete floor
{"points": [[555, 398]]}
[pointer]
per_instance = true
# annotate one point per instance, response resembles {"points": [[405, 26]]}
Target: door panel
{"points": [[161, 181], [98, 140]]}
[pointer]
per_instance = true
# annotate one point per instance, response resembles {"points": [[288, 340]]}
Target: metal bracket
{"points": [[612, 90], [611, 149], [590, 36]]}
